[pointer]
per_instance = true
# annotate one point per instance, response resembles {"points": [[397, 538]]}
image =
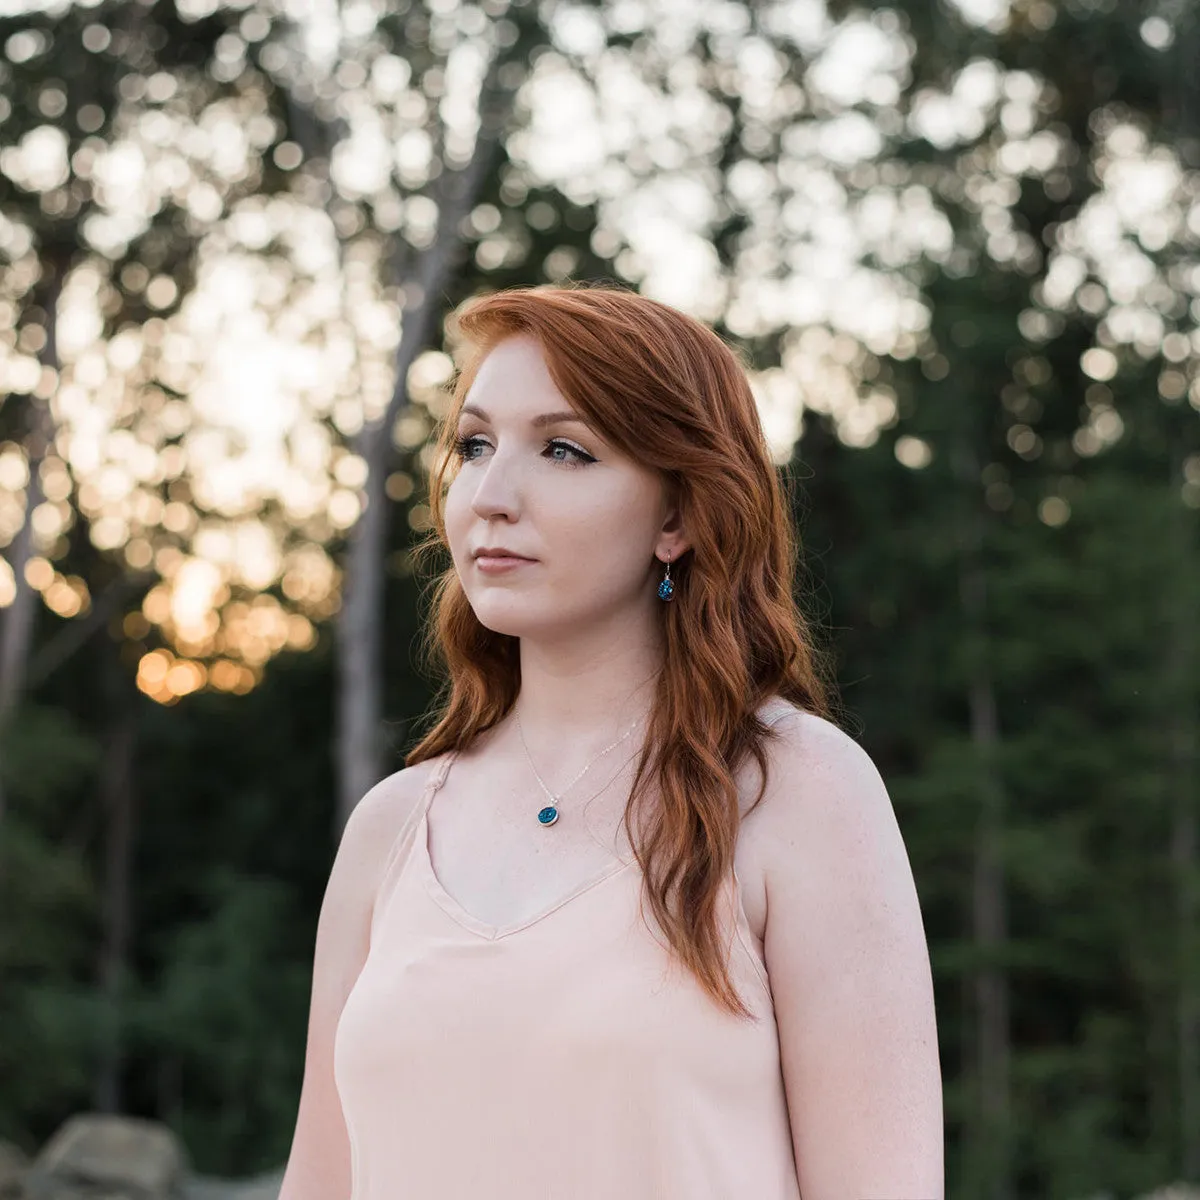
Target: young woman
{"points": [[635, 921]]}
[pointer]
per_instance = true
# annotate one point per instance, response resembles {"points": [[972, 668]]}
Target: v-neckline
{"points": [[473, 924]]}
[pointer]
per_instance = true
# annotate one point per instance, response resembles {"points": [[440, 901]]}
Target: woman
{"points": [[635, 921]]}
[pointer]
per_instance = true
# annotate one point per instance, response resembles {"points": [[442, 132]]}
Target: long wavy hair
{"points": [[666, 391]]}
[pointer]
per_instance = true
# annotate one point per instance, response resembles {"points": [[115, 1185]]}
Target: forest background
{"points": [[959, 245]]}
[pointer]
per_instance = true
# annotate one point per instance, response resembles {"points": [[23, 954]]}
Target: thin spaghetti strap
{"points": [[776, 710], [438, 775], [403, 839]]}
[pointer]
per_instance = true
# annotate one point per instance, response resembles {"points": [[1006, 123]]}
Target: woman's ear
{"points": [[676, 547], [670, 536]]}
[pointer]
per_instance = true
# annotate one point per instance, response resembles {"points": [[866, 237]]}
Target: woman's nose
{"points": [[497, 486]]}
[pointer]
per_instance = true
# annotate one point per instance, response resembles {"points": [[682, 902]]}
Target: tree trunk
{"points": [[117, 790], [1182, 663], [359, 622], [988, 898], [17, 631]]}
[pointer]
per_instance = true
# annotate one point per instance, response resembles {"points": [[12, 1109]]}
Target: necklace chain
{"points": [[553, 798], [605, 786]]}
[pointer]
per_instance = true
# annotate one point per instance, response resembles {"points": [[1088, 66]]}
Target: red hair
{"points": [[666, 391]]}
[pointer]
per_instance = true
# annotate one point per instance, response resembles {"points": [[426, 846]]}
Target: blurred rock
{"points": [[1174, 1191], [95, 1156], [261, 1187], [13, 1165]]}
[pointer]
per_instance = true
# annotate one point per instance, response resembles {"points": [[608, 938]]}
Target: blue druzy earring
{"points": [[666, 589]]}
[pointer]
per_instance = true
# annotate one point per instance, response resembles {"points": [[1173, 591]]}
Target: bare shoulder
{"points": [[377, 819], [802, 741], [394, 793], [848, 962], [806, 741], [821, 780]]}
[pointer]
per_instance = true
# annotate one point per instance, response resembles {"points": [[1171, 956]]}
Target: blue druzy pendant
{"points": [[548, 815], [666, 590]]}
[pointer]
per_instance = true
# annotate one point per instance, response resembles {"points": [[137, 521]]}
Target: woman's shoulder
{"points": [[815, 769], [378, 826], [804, 746], [387, 806]]}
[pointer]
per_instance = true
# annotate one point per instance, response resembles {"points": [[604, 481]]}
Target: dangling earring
{"points": [[666, 589]]}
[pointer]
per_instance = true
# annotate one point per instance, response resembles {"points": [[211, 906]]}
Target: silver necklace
{"points": [[549, 814]]}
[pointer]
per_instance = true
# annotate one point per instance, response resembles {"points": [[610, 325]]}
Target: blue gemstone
{"points": [[665, 589], [548, 815]]}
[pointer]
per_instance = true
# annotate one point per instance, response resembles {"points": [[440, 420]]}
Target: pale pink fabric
{"points": [[564, 1058]]}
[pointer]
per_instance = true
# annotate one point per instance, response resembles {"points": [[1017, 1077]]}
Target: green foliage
{"points": [[230, 983], [49, 904], [43, 753]]}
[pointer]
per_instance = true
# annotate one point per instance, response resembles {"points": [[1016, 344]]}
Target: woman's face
{"points": [[590, 518]]}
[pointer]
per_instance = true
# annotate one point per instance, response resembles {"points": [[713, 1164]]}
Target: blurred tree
{"points": [[1061, 135], [95, 228], [443, 215], [445, 182], [87, 95]]}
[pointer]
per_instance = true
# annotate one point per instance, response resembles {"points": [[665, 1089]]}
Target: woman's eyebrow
{"points": [[551, 418]]}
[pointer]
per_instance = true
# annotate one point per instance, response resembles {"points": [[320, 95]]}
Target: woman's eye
{"points": [[581, 456], [464, 445]]}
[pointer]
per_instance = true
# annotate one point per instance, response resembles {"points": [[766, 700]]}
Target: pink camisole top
{"points": [[568, 1057]]}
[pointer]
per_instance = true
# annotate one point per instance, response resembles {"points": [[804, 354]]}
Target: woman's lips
{"points": [[500, 562]]}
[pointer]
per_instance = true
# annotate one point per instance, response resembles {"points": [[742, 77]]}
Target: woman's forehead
{"points": [[513, 383]]}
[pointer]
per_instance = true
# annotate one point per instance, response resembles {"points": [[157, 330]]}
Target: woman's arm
{"points": [[850, 976], [318, 1166]]}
